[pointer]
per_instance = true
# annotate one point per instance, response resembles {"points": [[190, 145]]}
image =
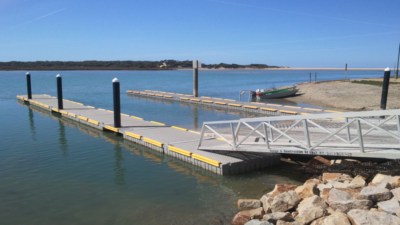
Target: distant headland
{"points": [[121, 65]]}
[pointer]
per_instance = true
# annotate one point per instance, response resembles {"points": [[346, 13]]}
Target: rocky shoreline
{"points": [[332, 199]]}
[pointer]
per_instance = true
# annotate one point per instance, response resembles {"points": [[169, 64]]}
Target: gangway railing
{"points": [[359, 134]]}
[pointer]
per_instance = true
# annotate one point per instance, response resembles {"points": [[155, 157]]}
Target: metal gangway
{"points": [[374, 134]]}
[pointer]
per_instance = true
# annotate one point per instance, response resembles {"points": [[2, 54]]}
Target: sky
{"points": [[294, 33]]}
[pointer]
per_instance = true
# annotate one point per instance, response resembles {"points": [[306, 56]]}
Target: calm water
{"points": [[54, 171]]}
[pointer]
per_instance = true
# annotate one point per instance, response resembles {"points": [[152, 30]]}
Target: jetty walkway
{"points": [[175, 141], [254, 107]]}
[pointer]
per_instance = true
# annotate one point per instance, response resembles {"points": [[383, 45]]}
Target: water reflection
{"points": [[62, 138], [195, 116], [119, 169], [32, 124]]}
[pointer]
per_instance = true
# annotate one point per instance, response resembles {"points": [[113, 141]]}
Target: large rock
{"points": [[266, 203], [273, 217], [281, 188], [310, 214], [375, 194], [258, 222], [386, 181], [365, 217], [308, 189], [343, 201], [396, 193], [391, 206], [285, 201], [357, 182], [243, 216], [336, 218], [310, 202], [281, 222], [245, 204], [321, 187], [336, 177]]}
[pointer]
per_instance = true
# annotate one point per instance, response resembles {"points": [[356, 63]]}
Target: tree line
{"points": [[119, 65]]}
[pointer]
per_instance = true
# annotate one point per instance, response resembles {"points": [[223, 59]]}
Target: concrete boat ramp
{"points": [[172, 140]]}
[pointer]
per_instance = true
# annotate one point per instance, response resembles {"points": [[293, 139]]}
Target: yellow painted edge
{"points": [[195, 132], [182, 98], [83, 118], [206, 160], [269, 109], [135, 117], [63, 112], [124, 114], [236, 105], [153, 142], [220, 103], [71, 114], [167, 96], [332, 111], [133, 135], [158, 123], [95, 122], [114, 129], [179, 150], [205, 97], [207, 101], [313, 109], [179, 128], [288, 112], [195, 99], [55, 110], [250, 107]]}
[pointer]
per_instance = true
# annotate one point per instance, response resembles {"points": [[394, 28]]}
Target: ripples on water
{"points": [[54, 171]]}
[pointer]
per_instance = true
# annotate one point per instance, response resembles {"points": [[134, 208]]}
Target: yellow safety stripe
{"points": [[71, 114], [288, 112], [95, 122], [55, 110], [179, 128], [269, 109], [153, 142], [182, 98], [179, 150], [195, 99], [138, 118], [133, 135], [220, 103], [236, 105], [63, 112], [114, 129], [332, 111], [158, 123], [250, 107], [206, 160], [83, 118], [167, 96], [207, 101]]}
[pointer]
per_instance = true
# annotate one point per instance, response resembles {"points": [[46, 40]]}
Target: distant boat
{"points": [[272, 93]]}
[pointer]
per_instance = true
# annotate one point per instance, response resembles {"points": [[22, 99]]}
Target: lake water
{"points": [[53, 171]]}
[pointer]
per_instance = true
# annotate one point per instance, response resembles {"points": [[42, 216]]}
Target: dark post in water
{"points": [[28, 85], [385, 88], [59, 92], [196, 65], [117, 104]]}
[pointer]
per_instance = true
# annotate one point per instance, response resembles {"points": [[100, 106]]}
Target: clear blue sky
{"points": [[308, 33]]}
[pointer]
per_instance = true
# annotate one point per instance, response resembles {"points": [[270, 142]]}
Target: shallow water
{"points": [[54, 171]]}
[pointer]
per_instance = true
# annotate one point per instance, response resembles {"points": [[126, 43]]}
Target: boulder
{"points": [[324, 194], [337, 184], [258, 222], [243, 216], [281, 222], [336, 177], [343, 201], [357, 182], [285, 201], [375, 194], [308, 189], [321, 187], [310, 202], [336, 218], [273, 217], [281, 188], [386, 181], [396, 193], [364, 217], [266, 203], [308, 215], [391, 206], [245, 204]]}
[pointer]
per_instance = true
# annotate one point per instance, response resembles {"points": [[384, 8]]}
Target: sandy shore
{"points": [[345, 95]]}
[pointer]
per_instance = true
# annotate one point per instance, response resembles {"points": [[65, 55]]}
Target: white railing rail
{"points": [[353, 130]]}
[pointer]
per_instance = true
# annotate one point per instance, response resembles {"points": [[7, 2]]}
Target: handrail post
{"points": [[233, 136], [348, 130], [266, 136], [360, 138], [201, 136]]}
